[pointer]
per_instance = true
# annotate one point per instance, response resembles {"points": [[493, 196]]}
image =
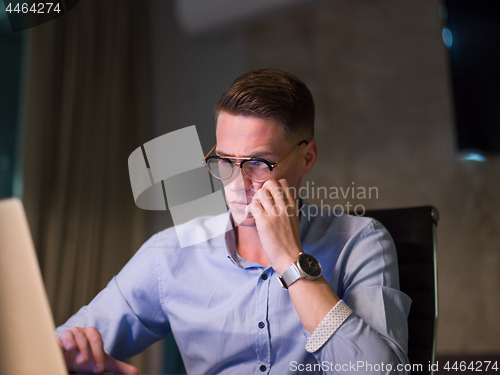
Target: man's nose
{"points": [[241, 181]]}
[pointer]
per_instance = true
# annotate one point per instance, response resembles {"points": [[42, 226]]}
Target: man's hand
{"points": [[276, 218], [83, 351], [277, 222]]}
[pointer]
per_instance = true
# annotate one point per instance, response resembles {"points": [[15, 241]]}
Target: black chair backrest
{"points": [[414, 232]]}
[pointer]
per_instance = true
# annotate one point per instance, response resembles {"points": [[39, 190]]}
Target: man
{"points": [[238, 303]]}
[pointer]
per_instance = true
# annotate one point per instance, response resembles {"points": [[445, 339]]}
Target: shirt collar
{"points": [[232, 253]]}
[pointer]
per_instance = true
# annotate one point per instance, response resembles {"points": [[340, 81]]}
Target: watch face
{"points": [[310, 265]]}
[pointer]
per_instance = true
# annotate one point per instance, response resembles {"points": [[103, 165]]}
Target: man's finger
{"points": [[83, 347], [277, 191], [67, 340], [265, 198], [118, 367], [286, 191], [96, 347], [254, 209]]}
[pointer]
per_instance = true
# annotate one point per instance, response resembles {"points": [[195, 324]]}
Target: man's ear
{"points": [[309, 155]]}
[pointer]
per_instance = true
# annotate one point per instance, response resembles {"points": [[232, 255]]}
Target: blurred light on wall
{"points": [[443, 12], [474, 156], [447, 37]]}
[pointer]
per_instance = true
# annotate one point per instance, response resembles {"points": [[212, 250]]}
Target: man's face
{"points": [[242, 136]]}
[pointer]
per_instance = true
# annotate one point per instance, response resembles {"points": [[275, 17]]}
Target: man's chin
{"points": [[241, 219], [247, 222]]}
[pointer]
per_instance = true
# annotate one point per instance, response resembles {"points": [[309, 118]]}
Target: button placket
{"points": [[262, 338]]}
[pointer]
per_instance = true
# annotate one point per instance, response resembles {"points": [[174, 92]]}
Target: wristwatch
{"points": [[306, 266]]}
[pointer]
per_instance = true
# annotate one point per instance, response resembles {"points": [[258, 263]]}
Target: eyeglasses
{"points": [[258, 170]]}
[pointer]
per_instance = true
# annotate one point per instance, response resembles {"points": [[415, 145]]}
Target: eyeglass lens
{"points": [[254, 169]]}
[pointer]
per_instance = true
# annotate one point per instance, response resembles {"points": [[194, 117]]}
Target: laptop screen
{"points": [[28, 343]]}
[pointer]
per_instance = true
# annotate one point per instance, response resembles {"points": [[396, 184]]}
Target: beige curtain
{"points": [[86, 111]]}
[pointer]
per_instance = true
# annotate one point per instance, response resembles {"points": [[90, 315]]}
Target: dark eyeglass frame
{"points": [[227, 159]]}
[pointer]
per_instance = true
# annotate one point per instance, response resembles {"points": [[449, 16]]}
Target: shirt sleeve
{"points": [[332, 321], [127, 312], [371, 331]]}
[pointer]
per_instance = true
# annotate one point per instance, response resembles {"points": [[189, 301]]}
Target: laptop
{"points": [[28, 344]]}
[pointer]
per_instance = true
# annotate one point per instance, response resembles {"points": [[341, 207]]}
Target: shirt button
{"points": [[264, 276], [263, 368], [261, 325]]}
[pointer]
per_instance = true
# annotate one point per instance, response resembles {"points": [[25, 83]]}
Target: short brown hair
{"points": [[272, 94]]}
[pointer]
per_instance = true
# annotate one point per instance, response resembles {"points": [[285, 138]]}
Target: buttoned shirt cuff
{"points": [[332, 321]]}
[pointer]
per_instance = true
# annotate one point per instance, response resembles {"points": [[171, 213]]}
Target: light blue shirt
{"points": [[230, 315]]}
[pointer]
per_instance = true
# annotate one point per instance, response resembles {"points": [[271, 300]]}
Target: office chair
{"points": [[414, 232]]}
